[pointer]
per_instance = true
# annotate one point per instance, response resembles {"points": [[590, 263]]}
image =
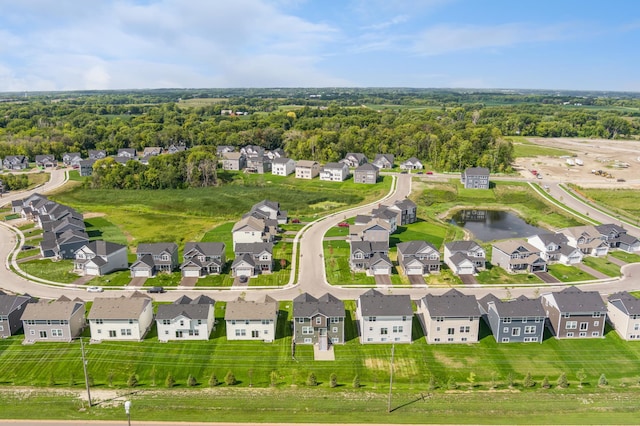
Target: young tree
{"points": [[170, 381], [563, 382], [528, 381], [191, 381], [581, 376], [250, 373], [213, 380], [333, 380], [471, 379], [154, 375], [132, 381], [510, 380], [494, 380], [312, 380], [273, 378], [602, 381], [110, 377], [356, 382], [90, 380], [545, 382], [52, 380], [230, 379], [451, 383], [72, 379]]}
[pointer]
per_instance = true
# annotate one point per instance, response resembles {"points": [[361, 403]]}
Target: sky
{"points": [[481, 44]]}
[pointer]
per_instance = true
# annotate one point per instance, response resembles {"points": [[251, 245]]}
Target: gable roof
{"points": [[413, 247], [307, 306], [205, 248], [306, 163], [103, 248], [572, 299], [251, 222], [157, 248], [61, 309], [476, 171], [374, 303], [367, 167], [245, 310], [510, 246], [462, 245], [118, 307], [282, 160], [520, 307], [451, 304], [626, 302], [253, 248], [10, 303], [191, 311]]}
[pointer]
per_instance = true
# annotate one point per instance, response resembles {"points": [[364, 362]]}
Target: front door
{"points": [[178, 334], [322, 332]]}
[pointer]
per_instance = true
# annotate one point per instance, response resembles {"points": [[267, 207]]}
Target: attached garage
{"points": [[191, 272]]}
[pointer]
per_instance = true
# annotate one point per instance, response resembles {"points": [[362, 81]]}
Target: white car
{"points": [[95, 289]]}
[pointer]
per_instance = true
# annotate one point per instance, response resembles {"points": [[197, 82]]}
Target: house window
{"points": [[334, 330], [181, 323], [596, 314], [571, 325], [530, 329], [241, 332], [464, 339], [335, 340], [437, 339], [524, 320], [112, 333], [451, 330], [595, 334], [570, 334], [584, 326], [371, 319], [439, 319], [398, 329], [384, 331], [318, 320], [56, 332], [307, 330], [233, 322], [596, 323], [505, 329], [99, 321], [255, 333], [465, 329], [265, 322], [166, 322], [505, 340], [636, 327], [507, 320], [43, 334], [335, 320], [246, 322], [125, 332], [437, 328], [32, 332], [515, 331], [583, 334], [567, 315], [307, 340]]}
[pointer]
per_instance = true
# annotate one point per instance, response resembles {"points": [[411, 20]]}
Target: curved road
{"points": [[311, 270]]}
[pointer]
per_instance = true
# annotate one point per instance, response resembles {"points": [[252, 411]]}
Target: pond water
{"points": [[489, 225]]}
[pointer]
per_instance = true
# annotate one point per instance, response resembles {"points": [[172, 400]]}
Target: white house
{"points": [[250, 229], [334, 172], [100, 258], [186, 319], [251, 320], [282, 166], [450, 318], [307, 169], [120, 318], [623, 310], [411, 164], [384, 318]]}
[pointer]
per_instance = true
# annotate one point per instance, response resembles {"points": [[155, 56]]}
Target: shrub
{"points": [[356, 382], [170, 381], [191, 381], [602, 381], [132, 381], [213, 380], [452, 384], [333, 380], [230, 379], [563, 382], [312, 380], [528, 381], [545, 382]]}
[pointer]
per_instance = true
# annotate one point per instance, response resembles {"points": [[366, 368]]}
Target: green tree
{"points": [[213, 380], [471, 379], [356, 382], [451, 383], [132, 381], [191, 381], [602, 381], [562, 381], [312, 380], [333, 380], [528, 381], [545, 382], [581, 376], [170, 381], [229, 378]]}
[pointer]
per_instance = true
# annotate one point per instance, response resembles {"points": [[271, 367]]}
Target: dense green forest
{"points": [[450, 130]]}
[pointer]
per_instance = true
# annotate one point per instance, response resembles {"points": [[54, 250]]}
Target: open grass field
{"points": [[59, 271], [623, 201], [566, 273], [602, 264], [524, 148]]}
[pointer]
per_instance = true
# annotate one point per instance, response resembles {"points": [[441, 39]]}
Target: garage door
{"points": [[414, 271], [92, 270], [191, 273], [381, 271], [466, 270], [140, 273]]}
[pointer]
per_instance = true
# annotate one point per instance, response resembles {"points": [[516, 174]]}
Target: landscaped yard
{"points": [[496, 275], [603, 265], [624, 256], [58, 271], [566, 273]]}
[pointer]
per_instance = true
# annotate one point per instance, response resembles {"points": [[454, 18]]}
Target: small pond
{"points": [[489, 225]]}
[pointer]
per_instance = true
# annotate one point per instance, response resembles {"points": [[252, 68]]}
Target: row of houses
{"points": [[452, 317]]}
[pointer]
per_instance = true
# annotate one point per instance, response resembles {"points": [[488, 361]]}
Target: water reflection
{"points": [[489, 225]]}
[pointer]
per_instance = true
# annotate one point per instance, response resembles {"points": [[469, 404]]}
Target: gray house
{"points": [[46, 160], [519, 320], [71, 159], [248, 320], [318, 321], [384, 161], [384, 318], [464, 257], [370, 257], [234, 161], [411, 164], [517, 256], [11, 309], [202, 259], [406, 210], [367, 173], [86, 167], [354, 159], [59, 321], [452, 317], [573, 313], [252, 259], [15, 162], [97, 154], [418, 257], [624, 314], [475, 178], [153, 258]]}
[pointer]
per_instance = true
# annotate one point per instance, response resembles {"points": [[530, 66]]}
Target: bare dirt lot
{"points": [[619, 159]]}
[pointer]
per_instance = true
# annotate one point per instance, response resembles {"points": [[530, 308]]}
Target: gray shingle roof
{"points": [[520, 307], [118, 307], [61, 309], [9, 303], [190, 311], [245, 310], [451, 304], [626, 302], [462, 245], [307, 306], [572, 299], [103, 248], [157, 248], [374, 303]]}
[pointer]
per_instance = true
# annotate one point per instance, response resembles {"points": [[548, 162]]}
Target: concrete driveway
{"points": [[137, 282], [468, 279], [383, 279], [597, 274], [547, 277], [416, 279], [188, 281]]}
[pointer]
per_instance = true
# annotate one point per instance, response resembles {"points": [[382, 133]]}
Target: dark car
{"points": [[156, 289], [25, 248], [243, 278]]}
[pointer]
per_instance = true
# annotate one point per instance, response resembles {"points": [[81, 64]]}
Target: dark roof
{"points": [[626, 302], [374, 303], [156, 248], [210, 248], [572, 299], [281, 160], [307, 306], [405, 204], [607, 228], [462, 245], [451, 304], [413, 247], [476, 171], [190, 311], [103, 248], [9, 304], [367, 167], [253, 248], [548, 237], [520, 307]]}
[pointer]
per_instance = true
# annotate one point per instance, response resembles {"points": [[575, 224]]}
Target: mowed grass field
{"points": [[623, 201]]}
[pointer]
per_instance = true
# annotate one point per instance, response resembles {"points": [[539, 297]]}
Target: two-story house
{"points": [[465, 257], [411, 164], [555, 248], [11, 309], [370, 257], [354, 159], [452, 317], [624, 314], [318, 321], [120, 318], [366, 173], [418, 257], [185, 319], [97, 154], [100, 257], [260, 164], [202, 259], [234, 161], [572, 312], [517, 256], [587, 239], [617, 237], [251, 229], [406, 210], [47, 161], [282, 166], [128, 153], [252, 259], [153, 258], [384, 161], [61, 320], [71, 159], [307, 169], [248, 320], [374, 231], [267, 209], [519, 320], [384, 318], [334, 172], [15, 162], [475, 178], [86, 167]]}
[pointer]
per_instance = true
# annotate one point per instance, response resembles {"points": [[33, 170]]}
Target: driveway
{"points": [[416, 280], [383, 279], [547, 277], [238, 284], [597, 274], [468, 279], [83, 280], [26, 259], [137, 282], [616, 261], [188, 281]]}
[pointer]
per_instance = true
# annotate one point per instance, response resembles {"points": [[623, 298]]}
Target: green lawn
{"points": [[566, 273], [497, 275], [337, 231], [28, 253], [336, 255], [603, 265], [623, 201], [58, 271], [627, 257], [99, 228], [114, 279], [525, 148]]}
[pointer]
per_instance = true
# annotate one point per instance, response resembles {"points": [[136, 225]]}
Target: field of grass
{"points": [[336, 255], [602, 264], [624, 256], [58, 271], [566, 273], [114, 279], [623, 201], [496, 275], [99, 228]]}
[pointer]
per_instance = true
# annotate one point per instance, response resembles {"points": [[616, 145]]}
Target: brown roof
{"points": [[244, 310], [56, 310], [118, 307]]}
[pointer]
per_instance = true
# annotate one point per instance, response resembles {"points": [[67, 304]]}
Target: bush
{"points": [[312, 380], [213, 380], [452, 384], [356, 382], [273, 377], [230, 379], [545, 383], [602, 381], [170, 381], [333, 380], [563, 382], [132, 381], [528, 381], [191, 381]]}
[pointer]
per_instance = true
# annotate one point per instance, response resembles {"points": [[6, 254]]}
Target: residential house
{"points": [[61, 320], [86, 167], [100, 258], [465, 257], [153, 258], [384, 161], [519, 320], [452, 317], [151, 151], [406, 210], [186, 319], [384, 318], [411, 164], [418, 257], [587, 239], [252, 259], [260, 164], [202, 259], [307, 169], [367, 173], [475, 178], [174, 149], [247, 320], [318, 321], [267, 209], [234, 161], [283, 166], [223, 149], [120, 318], [354, 159], [334, 172], [251, 229], [556, 248], [624, 314], [71, 159], [11, 309], [275, 153], [15, 162], [375, 230], [617, 237], [63, 245], [387, 215], [517, 256], [97, 154], [572, 312], [47, 161], [252, 151], [370, 257], [128, 153]]}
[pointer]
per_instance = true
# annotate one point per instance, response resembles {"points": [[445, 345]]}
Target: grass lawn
{"points": [[58, 271], [497, 275], [603, 265], [167, 280], [627, 257], [222, 280], [221, 234], [445, 278], [623, 201], [431, 231], [566, 273], [28, 253], [114, 279], [337, 231], [99, 228], [336, 255], [74, 175], [525, 148], [36, 179]]}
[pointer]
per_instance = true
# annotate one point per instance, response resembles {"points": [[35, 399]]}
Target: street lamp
{"points": [[127, 409]]}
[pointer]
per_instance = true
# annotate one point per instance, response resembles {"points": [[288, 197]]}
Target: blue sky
{"points": [[124, 44]]}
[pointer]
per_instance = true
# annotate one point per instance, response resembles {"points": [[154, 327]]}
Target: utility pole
{"points": [[84, 368], [393, 348]]}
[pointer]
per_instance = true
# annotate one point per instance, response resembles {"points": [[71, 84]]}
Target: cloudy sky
{"points": [[123, 44]]}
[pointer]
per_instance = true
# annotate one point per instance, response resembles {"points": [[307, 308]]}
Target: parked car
{"points": [[295, 220], [343, 224], [156, 289], [419, 173], [95, 289], [404, 172], [243, 279], [429, 173], [25, 248]]}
